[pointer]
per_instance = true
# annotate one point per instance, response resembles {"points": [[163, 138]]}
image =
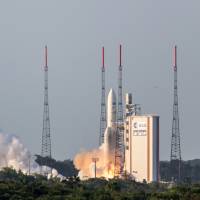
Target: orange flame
{"points": [[84, 162]]}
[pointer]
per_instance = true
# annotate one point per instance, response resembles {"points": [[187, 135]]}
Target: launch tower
{"points": [[119, 150], [103, 102], [46, 139], [175, 157]]}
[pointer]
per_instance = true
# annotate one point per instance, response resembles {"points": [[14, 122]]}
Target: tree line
{"points": [[18, 186]]}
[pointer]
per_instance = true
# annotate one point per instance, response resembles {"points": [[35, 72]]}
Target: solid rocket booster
{"points": [[110, 132]]}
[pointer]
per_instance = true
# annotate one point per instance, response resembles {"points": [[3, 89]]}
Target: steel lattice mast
{"points": [[119, 150], [175, 158], [46, 138], [103, 102]]}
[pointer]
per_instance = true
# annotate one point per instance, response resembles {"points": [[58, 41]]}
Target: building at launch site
{"points": [[141, 141]]}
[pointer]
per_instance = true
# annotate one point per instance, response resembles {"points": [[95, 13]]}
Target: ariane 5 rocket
{"points": [[111, 130]]}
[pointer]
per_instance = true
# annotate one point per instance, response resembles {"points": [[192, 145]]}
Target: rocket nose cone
{"points": [[112, 95]]}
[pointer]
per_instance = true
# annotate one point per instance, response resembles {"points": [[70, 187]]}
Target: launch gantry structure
{"points": [[119, 149], [103, 102], [175, 157], [46, 137]]}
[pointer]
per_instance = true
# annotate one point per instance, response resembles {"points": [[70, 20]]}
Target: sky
{"points": [[75, 31]]}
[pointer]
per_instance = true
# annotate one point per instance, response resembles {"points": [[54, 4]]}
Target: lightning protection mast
{"points": [[46, 138], [175, 158], [103, 102], [119, 149]]}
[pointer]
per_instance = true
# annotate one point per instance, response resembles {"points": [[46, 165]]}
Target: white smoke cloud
{"points": [[14, 154]]}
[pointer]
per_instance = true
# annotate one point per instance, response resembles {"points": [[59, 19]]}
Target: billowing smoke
{"points": [[14, 154], [84, 161]]}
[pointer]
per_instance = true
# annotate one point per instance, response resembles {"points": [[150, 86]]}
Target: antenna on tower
{"points": [[119, 149], [103, 102], [46, 138], [175, 157]]}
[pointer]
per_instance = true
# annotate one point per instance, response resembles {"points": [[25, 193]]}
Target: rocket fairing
{"points": [[111, 130], [111, 109]]}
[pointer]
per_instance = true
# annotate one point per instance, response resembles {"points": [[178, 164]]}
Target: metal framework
{"points": [[95, 160], [119, 149], [175, 157], [46, 139], [103, 102]]}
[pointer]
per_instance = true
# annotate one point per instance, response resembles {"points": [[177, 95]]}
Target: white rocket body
{"points": [[110, 132], [111, 109]]}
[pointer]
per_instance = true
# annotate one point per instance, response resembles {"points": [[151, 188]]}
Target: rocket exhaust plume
{"points": [[84, 162]]}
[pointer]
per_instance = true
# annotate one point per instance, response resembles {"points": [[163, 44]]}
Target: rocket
{"points": [[111, 130]]}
